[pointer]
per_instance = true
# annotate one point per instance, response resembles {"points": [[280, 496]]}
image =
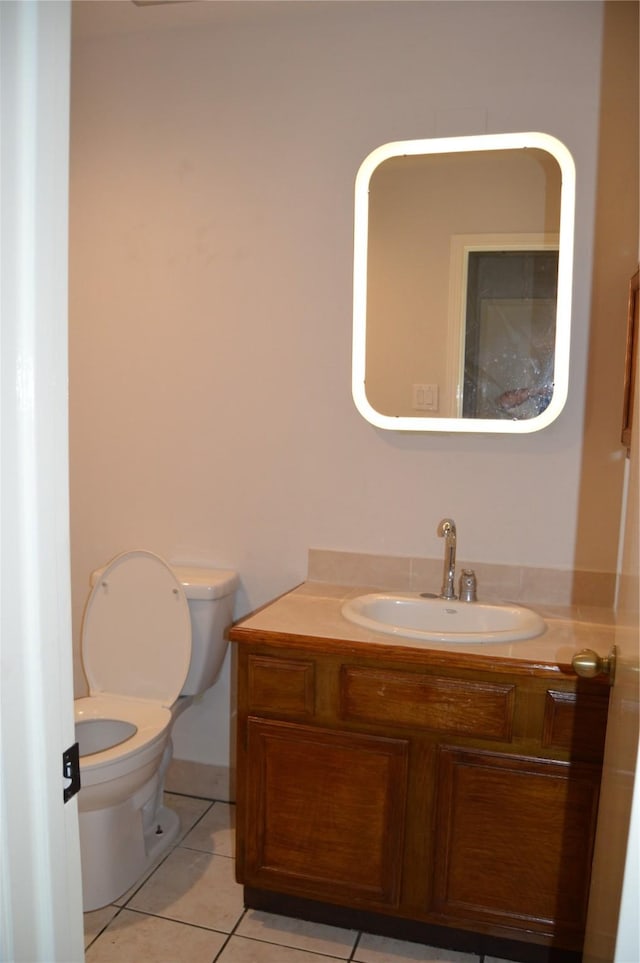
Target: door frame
{"points": [[40, 881]]}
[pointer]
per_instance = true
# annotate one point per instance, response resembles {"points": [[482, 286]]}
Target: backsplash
{"points": [[512, 583]]}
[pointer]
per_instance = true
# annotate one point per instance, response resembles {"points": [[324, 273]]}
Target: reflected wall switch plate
{"points": [[425, 397]]}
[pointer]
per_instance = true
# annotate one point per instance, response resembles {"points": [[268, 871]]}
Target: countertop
{"points": [[309, 616]]}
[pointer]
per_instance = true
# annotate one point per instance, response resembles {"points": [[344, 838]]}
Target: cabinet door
{"points": [[325, 813], [514, 842]]}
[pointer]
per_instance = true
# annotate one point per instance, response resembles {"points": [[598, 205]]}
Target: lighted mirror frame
{"points": [[448, 145]]}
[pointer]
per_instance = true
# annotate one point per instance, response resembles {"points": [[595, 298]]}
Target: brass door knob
{"points": [[588, 664]]}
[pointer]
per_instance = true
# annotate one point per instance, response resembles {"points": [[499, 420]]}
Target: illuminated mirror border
{"points": [[448, 145]]}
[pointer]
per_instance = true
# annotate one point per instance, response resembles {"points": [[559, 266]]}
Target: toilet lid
{"points": [[136, 634]]}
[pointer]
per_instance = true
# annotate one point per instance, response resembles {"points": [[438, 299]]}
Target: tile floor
{"points": [[190, 910]]}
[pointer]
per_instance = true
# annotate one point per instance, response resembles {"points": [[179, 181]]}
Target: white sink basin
{"points": [[439, 620]]}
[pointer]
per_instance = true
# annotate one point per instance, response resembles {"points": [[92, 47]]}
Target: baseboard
{"points": [[200, 779]]}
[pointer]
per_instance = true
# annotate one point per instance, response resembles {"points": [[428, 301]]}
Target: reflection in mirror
{"points": [[509, 333], [462, 283]]}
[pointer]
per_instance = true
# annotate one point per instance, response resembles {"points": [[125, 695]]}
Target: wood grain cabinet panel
{"points": [[483, 710], [326, 812], [576, 722], [286, 686], [514, 841]]}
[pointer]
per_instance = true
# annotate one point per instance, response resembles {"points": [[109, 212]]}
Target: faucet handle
{"points": [[468, 586]]}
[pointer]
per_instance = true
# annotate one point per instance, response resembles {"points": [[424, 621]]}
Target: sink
{"points": [[441, 620]]}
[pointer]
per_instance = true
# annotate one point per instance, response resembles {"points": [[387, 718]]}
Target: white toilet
{"points": [[153, 637]]}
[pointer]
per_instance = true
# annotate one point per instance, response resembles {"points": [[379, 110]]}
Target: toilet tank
{"points": [[210, 593]]}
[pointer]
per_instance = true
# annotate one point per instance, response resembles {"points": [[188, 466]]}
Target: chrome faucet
{"points": [[447, 530]]}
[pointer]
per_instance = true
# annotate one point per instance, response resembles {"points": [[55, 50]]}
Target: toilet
{"points": [[153, 638]]}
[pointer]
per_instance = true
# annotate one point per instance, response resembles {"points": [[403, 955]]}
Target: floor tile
{"points": [[215, 833], [300, 934], [188, 808], [133, 938], [193, 887], [96, 920], [241, 950], [381, 949]]}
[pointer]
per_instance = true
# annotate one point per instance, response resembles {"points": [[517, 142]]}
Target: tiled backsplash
{"points": [[513, 583]]}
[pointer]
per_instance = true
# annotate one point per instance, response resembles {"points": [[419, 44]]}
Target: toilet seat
{"points": [[149, 719], [136, 633]]}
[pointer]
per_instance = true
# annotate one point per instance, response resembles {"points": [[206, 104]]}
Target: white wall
{"points": [[212, 175]]}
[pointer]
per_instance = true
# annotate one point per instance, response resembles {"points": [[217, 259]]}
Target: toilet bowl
{"points": [[153, 637]]}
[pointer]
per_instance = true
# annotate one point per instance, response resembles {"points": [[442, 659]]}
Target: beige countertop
{"points": [[311, 615]]}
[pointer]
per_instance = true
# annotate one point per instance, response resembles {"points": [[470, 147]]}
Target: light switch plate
{"points": [[425, 397]]}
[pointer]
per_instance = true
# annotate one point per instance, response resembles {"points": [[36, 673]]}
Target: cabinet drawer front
{"points": [[326, 813], [577, 722], [455, 706], [285, 686]]}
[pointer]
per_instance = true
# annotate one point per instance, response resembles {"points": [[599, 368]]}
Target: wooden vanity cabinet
{"points": [[430, 794]]}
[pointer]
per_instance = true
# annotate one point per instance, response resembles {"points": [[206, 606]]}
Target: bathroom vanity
{"points": [[439, 793]]}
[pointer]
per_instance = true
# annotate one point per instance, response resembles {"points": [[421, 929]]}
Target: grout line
{"points": [[196, 823], [106, 926], [229, 935], [287, 946], [209, 799], [175, 919], [355, 946], [194, 849]]}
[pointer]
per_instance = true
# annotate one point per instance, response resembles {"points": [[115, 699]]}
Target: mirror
{"points": [[463, 255]]}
